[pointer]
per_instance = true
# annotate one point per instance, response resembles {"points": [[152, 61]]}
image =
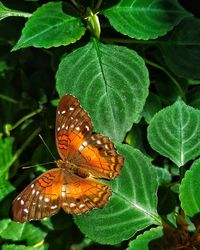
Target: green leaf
{"points": [[6, 12], [5, 188], [49, 27], [152, 105], [142, 241], [111, 83], [21, 247], [14, 231], [5, 155], [189, 190], [185, 37], [145, 19], [132, 206], [174, 132], [163, 175]]}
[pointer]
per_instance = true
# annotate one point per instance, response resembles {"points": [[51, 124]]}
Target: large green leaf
{"points": [[132, 206], [184, 38], [175, 133], [49, 27], [143, 240], [14, 231], [111, 83], [190, 189], [145, 19]]}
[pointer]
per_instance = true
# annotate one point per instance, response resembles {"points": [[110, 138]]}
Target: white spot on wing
{"points": [[71, 108], [106, 146], [22, 202], [32, 185], [81, 205], [66, 127], [78, 128], [26, 210], [58, 112], [18, 198], [72, 204], [98, 142], [63, 112], [53, 207], [58, 128], [85, 143], [63, 125], [81, 148], [40, 197], [72, 126], [87, 127], [33, 191], [46, 199], [37, 192]]}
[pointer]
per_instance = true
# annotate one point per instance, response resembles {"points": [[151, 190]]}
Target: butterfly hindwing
{"points": [[81, 195], [41, 198]]}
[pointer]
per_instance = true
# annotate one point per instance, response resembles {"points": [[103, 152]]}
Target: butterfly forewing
{"points": [[76, 142], [73, 126], [99, 156]]}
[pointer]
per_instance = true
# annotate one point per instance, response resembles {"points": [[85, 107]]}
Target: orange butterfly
{"points": [[85, 155]]}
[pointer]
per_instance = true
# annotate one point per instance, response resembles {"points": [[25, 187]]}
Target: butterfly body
{"points": [[73, 186]]}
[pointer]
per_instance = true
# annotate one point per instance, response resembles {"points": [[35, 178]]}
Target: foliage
{"points": [[134, 66]]}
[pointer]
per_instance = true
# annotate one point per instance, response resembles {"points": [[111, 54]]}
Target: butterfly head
{"points": [[60, 163]]}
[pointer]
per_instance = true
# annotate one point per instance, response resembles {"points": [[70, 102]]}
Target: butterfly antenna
{"points": [[32, 166], [47, 147]]}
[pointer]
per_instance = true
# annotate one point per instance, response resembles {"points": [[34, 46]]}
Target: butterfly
{"points": [[72, 186]]}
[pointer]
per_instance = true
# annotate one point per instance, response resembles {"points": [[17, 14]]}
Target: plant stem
{"points": [[24, 145], [9, 99], [169, 75], [35, 112]]}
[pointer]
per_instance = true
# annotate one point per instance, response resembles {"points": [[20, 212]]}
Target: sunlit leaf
{"points": [[174, 132], [190, 189], [144, 19], [49, 27], [142, 241], [111, 83], [14, 231]]}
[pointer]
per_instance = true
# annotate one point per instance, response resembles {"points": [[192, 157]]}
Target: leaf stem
{"points": [[9, 99], [35, 112], [176, 83], [24, 145], [18, 14]]}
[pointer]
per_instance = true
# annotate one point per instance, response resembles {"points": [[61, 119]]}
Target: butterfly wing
{"points": [[73, 125], [76, 143], [80, 195], [41, 198], [99, 156]]}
